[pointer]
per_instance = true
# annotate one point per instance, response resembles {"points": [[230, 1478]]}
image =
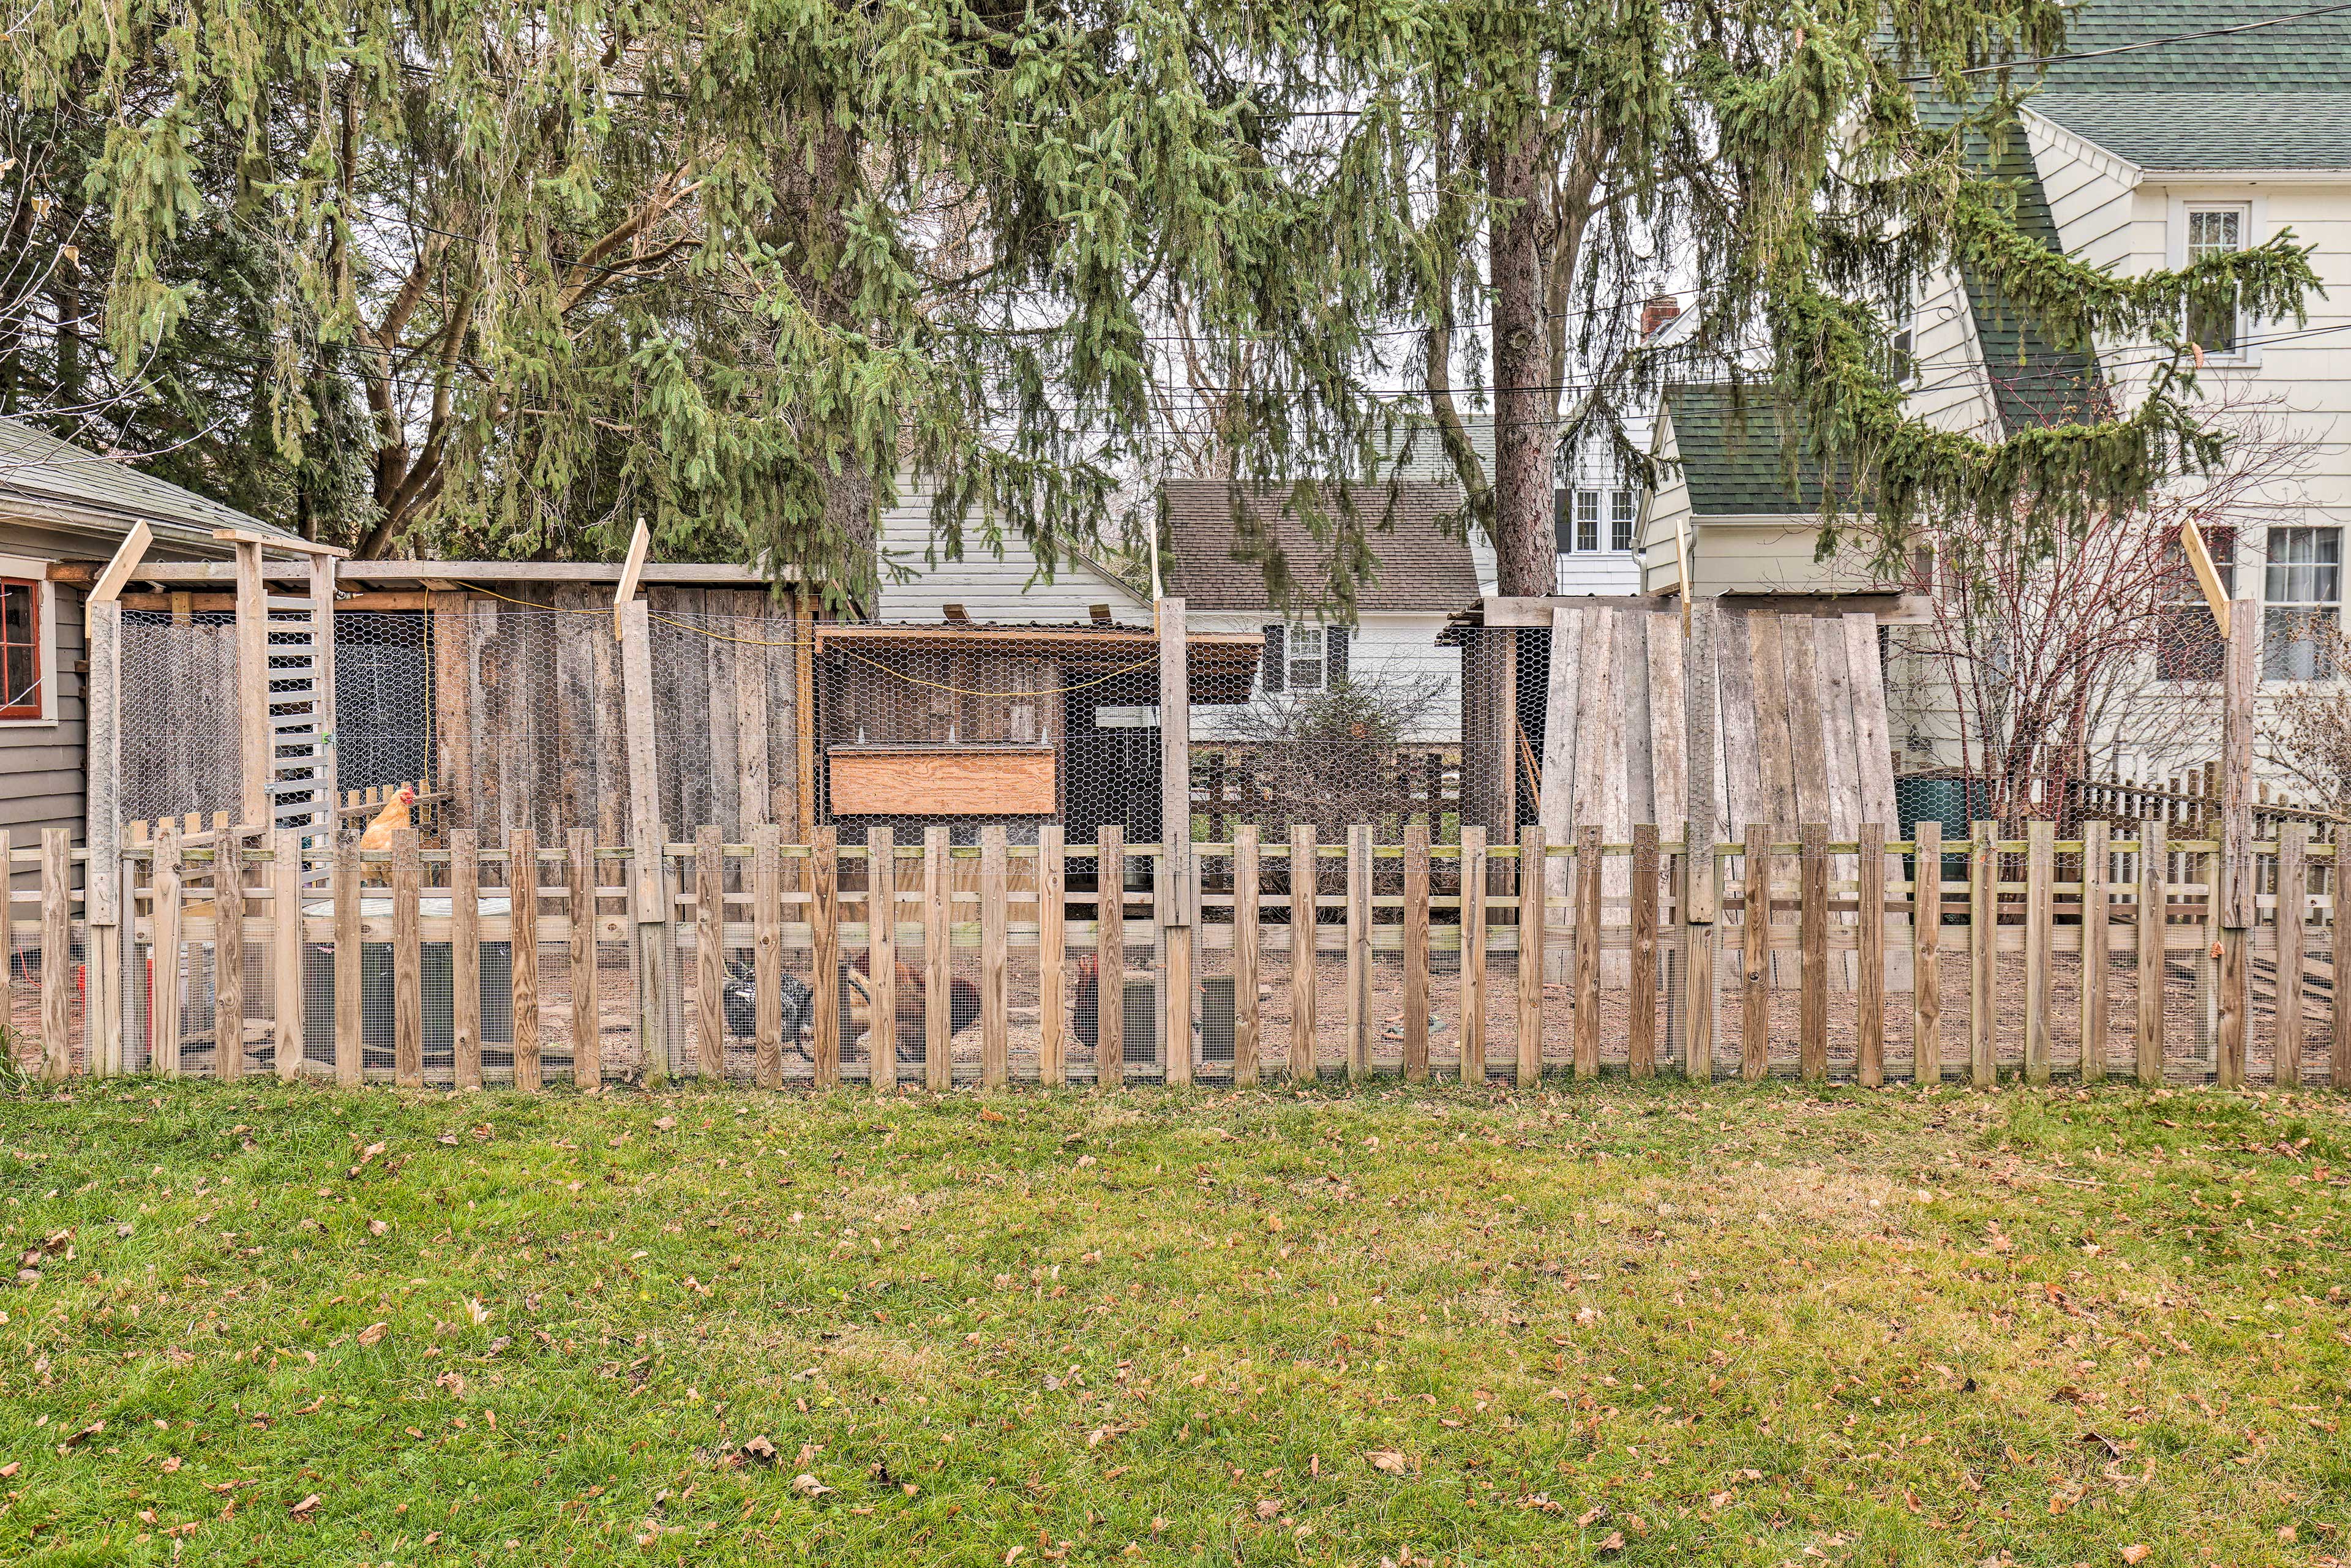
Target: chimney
{"points": [[1655, 311]]}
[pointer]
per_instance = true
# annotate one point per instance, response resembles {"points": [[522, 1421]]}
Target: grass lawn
{"points": [[1627, 1325]]}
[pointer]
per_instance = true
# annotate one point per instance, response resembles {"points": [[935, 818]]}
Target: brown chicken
{"points": [[912, 1003], [389, 821]]}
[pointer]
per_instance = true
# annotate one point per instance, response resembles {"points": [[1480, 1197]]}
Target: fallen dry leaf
{"points": [[377, 1228], [2135, 1553], [308, 1506], [664, 1124], [476, 1311], [1386, 1459], [759, 1451], [1267, 1507], [1615, 1542], [809, 1486]]}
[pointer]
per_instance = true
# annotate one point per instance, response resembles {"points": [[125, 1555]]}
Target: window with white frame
{"points": [[2216, 229], [1620, 519], [1306, 666], [2302, 595]]}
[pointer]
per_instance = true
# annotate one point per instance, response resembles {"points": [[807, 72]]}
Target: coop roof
{"points": [[1219, 663], [1733, 453], [1420, 563], [78, 488]]}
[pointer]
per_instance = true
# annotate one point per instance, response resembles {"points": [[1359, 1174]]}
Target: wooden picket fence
{"points": [[538, 960]]}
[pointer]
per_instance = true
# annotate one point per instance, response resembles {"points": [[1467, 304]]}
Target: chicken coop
{"points": [[397, 750]]}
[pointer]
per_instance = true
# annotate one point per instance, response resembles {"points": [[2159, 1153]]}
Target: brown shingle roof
{"points": [[1420, 565]]}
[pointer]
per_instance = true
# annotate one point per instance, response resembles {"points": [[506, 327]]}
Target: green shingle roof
{"points": [[2033, 383], [1733, 453]]}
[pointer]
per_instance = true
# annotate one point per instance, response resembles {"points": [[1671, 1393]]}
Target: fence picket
{"points": [[709, 957], [1302, 920], [1359, 952], [2338, 932], [351, 1028], [465, 953], [995, 1003], [1586, 950], [1533, 924], [1473, 955], [2040, 930], [1927, 952], [1245, 955], [522, 904], [1869, 999], [1813, 936], [1053, 941], [587, 1017], [768, 957], [824, 940], [1110, 955], [1415, 953], [57, 956], [2285, 1054], [285, 953], [1755, 957], [2154, 876], [228, 954], [1983, 914], [407, 962], [1641, 1046], [882, 957], [162, 949], [2094, 931]]}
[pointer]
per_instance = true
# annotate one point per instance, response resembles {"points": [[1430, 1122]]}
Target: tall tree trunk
{"points": [[1523, 401]]}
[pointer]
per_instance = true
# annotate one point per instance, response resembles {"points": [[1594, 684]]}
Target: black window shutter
{"points": [[1562, 522], [1271, 667], [1334, 656]]}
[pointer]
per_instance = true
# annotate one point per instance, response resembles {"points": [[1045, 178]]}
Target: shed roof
{"points": [[109, 494], [1732, 448], [1421, 563]]}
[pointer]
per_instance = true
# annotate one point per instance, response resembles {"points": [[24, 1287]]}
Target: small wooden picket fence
{"points": [[560, 959]]}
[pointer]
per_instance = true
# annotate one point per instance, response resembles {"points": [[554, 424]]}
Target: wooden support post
{"points": [[7, 929], [2154, 878], [2292, 895], [995, 1000], [1755, 957], [1702, 899], [522, 896], [804, 732], [767, 959], [254, 759], [325, 774], [1586, 961], [2040, 936], [57, 956], [2234, 894], [285, 952], [465, 953], [650, 900], [228, 953], [882, 957], [1178, 879], [1245, 955], [709, 955], [162, 950], [938, 963], [824, 942], [1052, 945], [102, 834], [1927, 953], [587, 1020], [2338, 947], [407, 962], [1869, 997], [1416, 952], [2095, 934], [1110, 955], [1642, 1043], [350, 1060], [1473, 954], [1302, 918], [1359, 952], [1983, 949], [1813, 935], [1532, 925]]}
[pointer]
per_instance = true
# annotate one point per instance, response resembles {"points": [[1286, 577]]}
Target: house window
{"points": [[2213, 326], [1904, 355], [1303, 658], [20, 649], [1620, 521], [2303, 589], [2188, 645]]}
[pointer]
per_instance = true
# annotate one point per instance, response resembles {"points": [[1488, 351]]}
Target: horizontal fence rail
{"points": [[551, 957]]}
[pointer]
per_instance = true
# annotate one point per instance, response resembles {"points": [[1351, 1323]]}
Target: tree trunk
{"points": [[1523, 401]]}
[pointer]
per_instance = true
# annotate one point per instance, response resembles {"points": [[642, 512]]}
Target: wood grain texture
{"points": [[767, 959], [1052, 962], [881, 954], [2153, 876], [285, 952], [1927, 953], [938, 964], [1415, 953], [709, 956], [1746, 797], [1359, 952], [1110, 955], [1813, 940], [936, 783], [824, 920], [1302, 922], [2040, 935], [350, 1060], [1983, 950], [1808, 721], [1533, 925], [1755, 956], [407, 962], [1562, 714], [254, 751], [1869, 997], [1473, 954], [522, 895], [2338, 948], [995, 1001], [1642, 1043], [164, 947], [2293, 895], [587, 1017], [2095, 931], [1873, 746], [228, 955], [1246, 936], [1776, 769], [465, 954], [57, 978], [1586, 949]]}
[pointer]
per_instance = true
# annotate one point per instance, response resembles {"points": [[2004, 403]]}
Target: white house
{"points": [[995, 581]]}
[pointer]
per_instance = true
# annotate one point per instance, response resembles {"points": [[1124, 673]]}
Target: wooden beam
{"points": [[253, 687], [1177, 881], [108, 586], [324, 773], [285, 544], [630, 570], [103, 832], [2207, 576]]}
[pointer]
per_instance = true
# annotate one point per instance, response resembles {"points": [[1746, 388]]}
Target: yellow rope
{"points": [[810, 642]]}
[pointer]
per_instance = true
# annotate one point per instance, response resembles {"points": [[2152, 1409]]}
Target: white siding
{"points": [[1951, 390], [993, 581], [1388, 645]]}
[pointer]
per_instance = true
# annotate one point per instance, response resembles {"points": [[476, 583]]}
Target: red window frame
{"points": [[20, 661]]}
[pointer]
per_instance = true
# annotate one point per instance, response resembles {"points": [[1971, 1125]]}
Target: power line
{"points": [[2137, 44]]}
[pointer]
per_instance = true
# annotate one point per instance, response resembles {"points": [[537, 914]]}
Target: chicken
{"points": [[1086, 1004], [912, 1006], [389, 821], [740, 997]]}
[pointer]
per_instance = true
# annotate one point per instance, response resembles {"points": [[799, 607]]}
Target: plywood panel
{"points": [[1744, 800], [937, 783], [1776, 800], [1807, 738]]}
